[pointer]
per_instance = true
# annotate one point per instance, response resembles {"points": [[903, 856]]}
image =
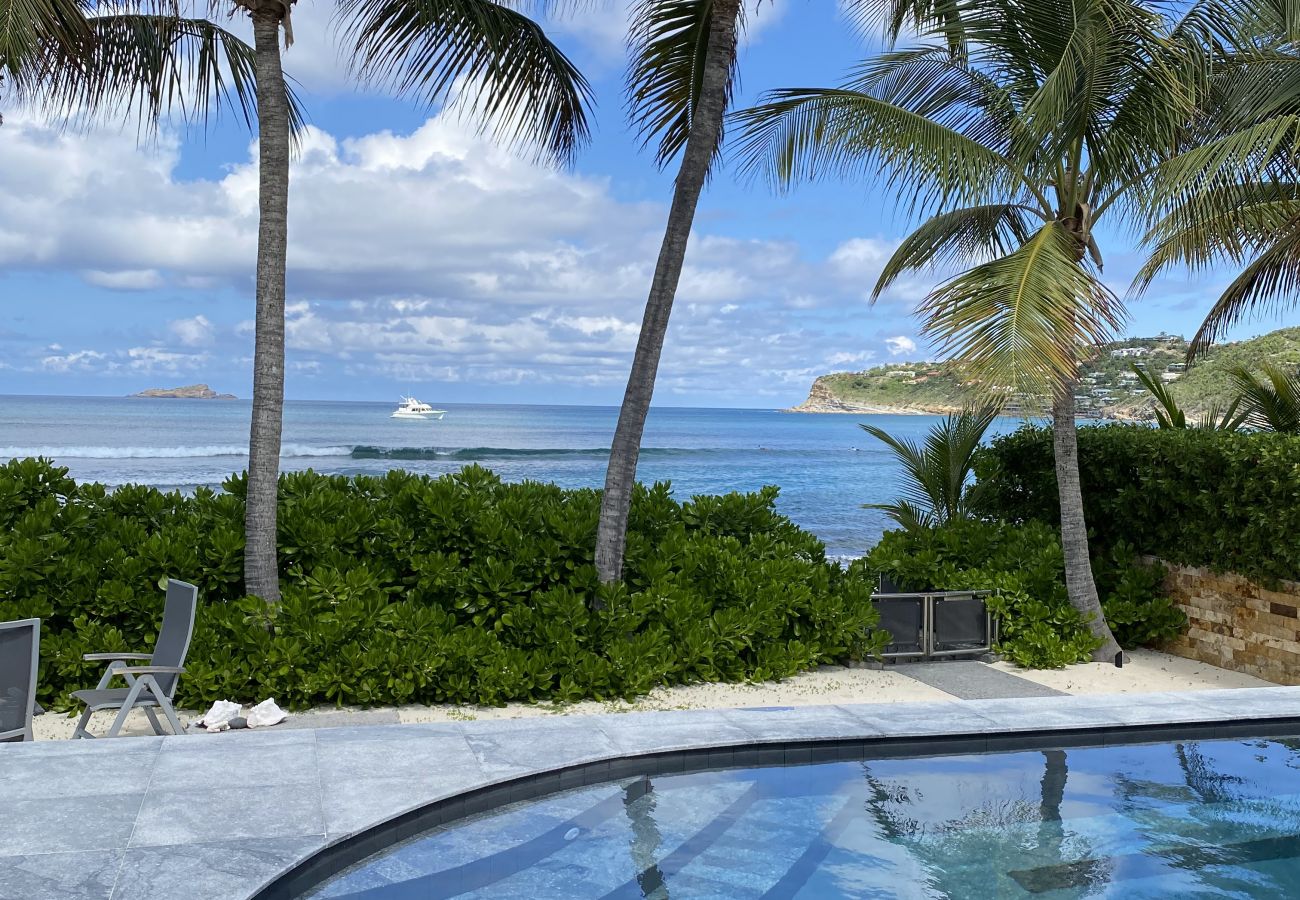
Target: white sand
{"points": [[1147, 671]]}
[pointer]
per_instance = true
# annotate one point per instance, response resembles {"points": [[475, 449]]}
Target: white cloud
{"points": [[125, 280], [431, 255], [195, 332], [79, 360], [900, 344], [861, 258]]}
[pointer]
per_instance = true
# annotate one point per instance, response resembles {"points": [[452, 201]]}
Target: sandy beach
{"points": [[1147, 671]]}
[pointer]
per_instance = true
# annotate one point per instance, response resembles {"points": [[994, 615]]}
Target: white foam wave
{"points": [[287, 450]]}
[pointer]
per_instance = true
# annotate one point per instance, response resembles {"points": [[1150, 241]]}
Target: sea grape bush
{"points": [[1025, 565], [404, 588], [1223, 500]]}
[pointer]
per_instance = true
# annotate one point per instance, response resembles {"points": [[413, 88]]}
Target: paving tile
{"points": [[110, 746], [227, 869], [228, 813], [66, 876], [414, 758], [652, 732], [56, 824], [32, 776], [396, 732], [252, 764], [970, 680], [243, 739], [800, 723], [921, 719], [550, 745], [360, 803]]}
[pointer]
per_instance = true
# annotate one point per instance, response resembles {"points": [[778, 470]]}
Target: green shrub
{"points": [[1024, 564], [1226, 501], [409, 589]]}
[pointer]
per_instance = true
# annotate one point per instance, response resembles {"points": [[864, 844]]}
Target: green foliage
{"points": [[1271, 400], [937, 488], [408, 589], [1224, 500], [1025, 565]]}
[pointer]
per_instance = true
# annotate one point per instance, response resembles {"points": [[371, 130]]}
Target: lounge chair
{"points": [[20, 644], [148, 686]]}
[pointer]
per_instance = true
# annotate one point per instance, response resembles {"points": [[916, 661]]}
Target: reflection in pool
{"points": [[1197, 819]]}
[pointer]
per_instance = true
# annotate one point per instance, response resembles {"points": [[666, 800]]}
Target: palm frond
{"points": [[1169, 414], [1269, 281], [144, 64], [961, 237], [1270, 402], [1231, 222], [494, 63], [897, 17], [936, 475], [1023, 322], [667, 42], [1219, 417], [803, 134]]}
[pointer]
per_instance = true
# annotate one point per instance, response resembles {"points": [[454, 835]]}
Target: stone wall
{"points": [[1236, 624]]}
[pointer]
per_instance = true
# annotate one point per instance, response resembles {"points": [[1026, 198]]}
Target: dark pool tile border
{"points": [[352, 849]]}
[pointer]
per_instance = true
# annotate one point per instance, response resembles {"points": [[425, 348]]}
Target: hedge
{"points": [[1223, 500], [410, 589]]}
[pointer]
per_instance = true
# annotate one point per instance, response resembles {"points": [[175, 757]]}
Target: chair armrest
{"points": [[99, 657], [151, 670]]}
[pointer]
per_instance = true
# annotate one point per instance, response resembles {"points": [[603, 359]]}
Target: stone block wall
{"points": [[1236, 624]]}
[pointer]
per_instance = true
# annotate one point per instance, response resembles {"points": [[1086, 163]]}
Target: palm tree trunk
{"points": [[261, 567], [1079, 582], [702, 142]]}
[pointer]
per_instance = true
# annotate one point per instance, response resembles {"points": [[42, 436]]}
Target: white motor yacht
{"points": [[414, 409]]}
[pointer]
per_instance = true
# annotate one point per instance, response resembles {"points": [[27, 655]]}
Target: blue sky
{"points": [[423, 259]]}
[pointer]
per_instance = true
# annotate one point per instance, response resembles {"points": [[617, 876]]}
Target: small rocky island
{"points": [[189, 392]]}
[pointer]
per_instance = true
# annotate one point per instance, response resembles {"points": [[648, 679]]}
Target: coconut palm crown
{"points": [[1011, 131]]}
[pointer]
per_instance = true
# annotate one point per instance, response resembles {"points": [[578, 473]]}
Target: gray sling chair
{"points": [[20, 644], [147, 686]]}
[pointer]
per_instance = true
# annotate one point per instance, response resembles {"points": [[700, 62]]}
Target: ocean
{"points": [[825, 465]]}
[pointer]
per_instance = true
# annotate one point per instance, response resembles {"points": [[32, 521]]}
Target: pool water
{"points": [[1193, 819]]}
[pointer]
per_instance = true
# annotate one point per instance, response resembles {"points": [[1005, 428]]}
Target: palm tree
{"points": [[75, 62], [937, 474], [1271, 402], [496, 63], [680, 83], [1016, 128], [1169, 415]]}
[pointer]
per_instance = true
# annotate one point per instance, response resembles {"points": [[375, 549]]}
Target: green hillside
{"points": [[1107, 386]]}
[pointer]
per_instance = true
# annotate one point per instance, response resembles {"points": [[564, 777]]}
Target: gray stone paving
{"points": [[218, 816], [972, 680]]}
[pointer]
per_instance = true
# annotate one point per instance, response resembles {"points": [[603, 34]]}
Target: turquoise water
{"points": [[826, 466], [1197, 819]]}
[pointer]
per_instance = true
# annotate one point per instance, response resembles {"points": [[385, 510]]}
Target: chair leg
{"points": [[81, 731], [166, 706], [153, 720], [125, 710]]}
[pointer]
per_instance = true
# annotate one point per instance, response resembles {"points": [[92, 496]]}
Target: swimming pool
{"points": [[1214, 818]]}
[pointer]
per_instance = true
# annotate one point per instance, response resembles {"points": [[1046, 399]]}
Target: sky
{"points": [[423, 259]]}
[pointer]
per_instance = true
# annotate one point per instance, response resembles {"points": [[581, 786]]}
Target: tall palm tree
{"points": [[1015, 129], [680, 84], [491, 60], [73, 61]]}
